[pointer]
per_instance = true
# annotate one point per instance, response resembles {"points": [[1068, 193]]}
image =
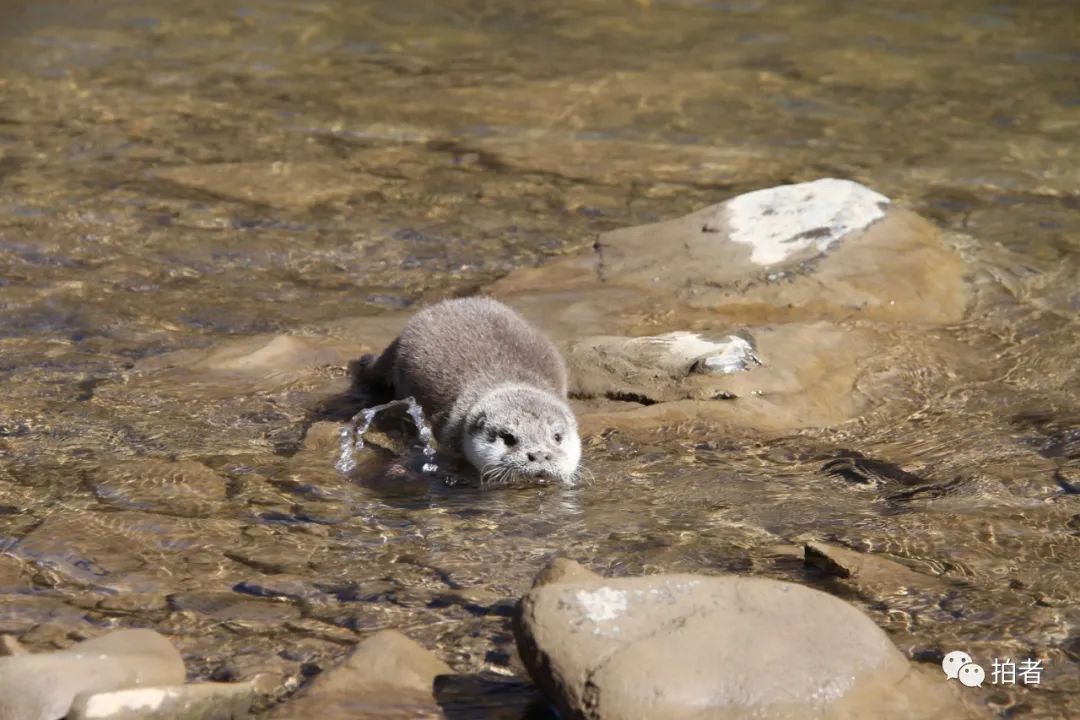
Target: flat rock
{"points": [[689, 646], [184, 487], [14, 576], [44, 686], [277, 184], [777, 309], [827, 249], [872, 573], [199, 701], [121, 552], [770, 377], [271, 361], [387, 675]]}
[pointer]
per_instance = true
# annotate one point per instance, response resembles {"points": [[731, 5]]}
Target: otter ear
{"points": [[478, 422]]}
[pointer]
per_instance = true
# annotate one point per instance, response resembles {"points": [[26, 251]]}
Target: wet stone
{"points": [[133, 602], [234, 608], [691, 646], [44, 686], [29, 616], [199, 701], [794, 375], [823, 249], [185, 488], [14, 575], [280, 184], [11, 646], [387, 675], [122, 551], [868, 570], [267, 362]]}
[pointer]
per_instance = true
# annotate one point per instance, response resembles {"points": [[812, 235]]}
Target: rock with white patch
{"points": [[675, 647], [827, 249], [749, 311], [783, 222], [655, 368], [773, 377], [198, 701], [44, 686], [824, 249]]}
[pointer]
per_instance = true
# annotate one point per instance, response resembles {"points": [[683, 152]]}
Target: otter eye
{"points": [[508, 438], [558, 437]]}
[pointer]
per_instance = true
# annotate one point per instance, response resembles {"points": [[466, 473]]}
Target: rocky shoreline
{"points": [[663, 646]]}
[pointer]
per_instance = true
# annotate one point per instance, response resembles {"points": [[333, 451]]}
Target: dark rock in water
{"points": [[690, 646], [387, 676], [44, 686]]}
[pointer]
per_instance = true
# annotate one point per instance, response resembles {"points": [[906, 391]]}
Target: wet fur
{"points": [[475, 366]]}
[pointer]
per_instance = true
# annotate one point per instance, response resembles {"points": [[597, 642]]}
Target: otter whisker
{"points": [[491, 474], [580, 474], [504, 474]]}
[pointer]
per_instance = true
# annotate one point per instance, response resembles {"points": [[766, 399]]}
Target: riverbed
{"points": [[180, 176]]}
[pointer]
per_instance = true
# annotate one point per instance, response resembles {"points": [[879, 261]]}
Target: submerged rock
{"points": [[275, 184], [690, 646], [184, 487], [387, 675], [44, 686], [11, 646], [264, 361]]}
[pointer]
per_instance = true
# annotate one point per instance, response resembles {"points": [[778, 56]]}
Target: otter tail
{"points": [[375, 375]]}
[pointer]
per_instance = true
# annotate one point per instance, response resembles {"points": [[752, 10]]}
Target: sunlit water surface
{"points": [[176, 174]]}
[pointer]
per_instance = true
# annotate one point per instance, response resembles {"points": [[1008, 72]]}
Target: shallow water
{"points": [[177, 174]]}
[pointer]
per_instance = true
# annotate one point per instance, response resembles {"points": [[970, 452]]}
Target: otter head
{"points": [[519, 432]]}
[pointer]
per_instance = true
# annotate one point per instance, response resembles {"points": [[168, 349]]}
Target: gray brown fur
{"points": [[450, 354]]}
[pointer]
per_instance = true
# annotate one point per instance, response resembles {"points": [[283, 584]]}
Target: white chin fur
{"points": [[487, 458]]}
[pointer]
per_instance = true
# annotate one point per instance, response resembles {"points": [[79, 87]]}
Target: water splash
{"points": [[352, 434]]}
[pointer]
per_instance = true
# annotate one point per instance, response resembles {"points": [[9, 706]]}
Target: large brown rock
{"points": [[673, 647], [824, 249], [44, 686], [828, 249], [387, 676], [815, 281]]}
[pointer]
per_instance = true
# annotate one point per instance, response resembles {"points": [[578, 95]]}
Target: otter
{"points": [[492, 386]]}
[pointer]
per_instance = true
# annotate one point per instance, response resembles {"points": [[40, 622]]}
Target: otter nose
{"points": [[534, 456]]}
